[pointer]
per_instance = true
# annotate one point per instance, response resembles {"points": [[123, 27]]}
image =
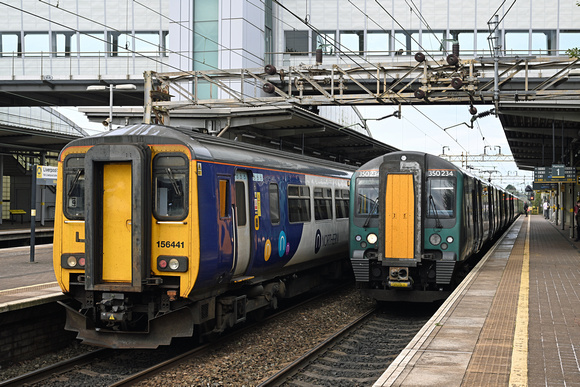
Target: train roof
{"points": [[211, 148], [375, 163]]}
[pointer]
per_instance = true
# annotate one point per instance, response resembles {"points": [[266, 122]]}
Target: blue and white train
{"points": [[163, 232]]}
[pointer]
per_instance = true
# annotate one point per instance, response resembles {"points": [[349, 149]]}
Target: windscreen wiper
{"points": [[368, 220], [432, 205], [75, 181], [173, 181]]}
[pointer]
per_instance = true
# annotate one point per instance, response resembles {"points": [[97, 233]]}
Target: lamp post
{"points": [[128, 86]]}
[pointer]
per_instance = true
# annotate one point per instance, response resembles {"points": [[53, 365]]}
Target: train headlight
{"points": [[174, 264], [358, 238], [372, 238], [449, 239], [435, 239], [71, 261]]}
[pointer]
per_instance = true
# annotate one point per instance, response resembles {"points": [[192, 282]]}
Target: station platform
{"points": [[23, 283], [515, 319], [18, 232]]}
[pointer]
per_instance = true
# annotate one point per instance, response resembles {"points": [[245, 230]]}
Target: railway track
{"points": [[356, 355], [107, 367]]}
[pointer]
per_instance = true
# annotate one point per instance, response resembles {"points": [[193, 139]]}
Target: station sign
{"points": [[46, 175], [545, 186], [557, 173]]}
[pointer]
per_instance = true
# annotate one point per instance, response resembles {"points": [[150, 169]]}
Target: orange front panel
{"points": [[399, 216]]}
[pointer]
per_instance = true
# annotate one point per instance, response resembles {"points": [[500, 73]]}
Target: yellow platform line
{"points": [[519, 366]]}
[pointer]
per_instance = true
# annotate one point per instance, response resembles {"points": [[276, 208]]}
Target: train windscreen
{"points": [[367, 196], [441, 198]]}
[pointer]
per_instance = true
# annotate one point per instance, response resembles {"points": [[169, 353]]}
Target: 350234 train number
{"points": [[439, 172]]}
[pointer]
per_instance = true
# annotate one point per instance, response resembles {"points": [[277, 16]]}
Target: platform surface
{"points": [[514, 321], [24, 283]]}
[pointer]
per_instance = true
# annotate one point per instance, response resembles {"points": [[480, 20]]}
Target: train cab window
{"points": [[341, 203], [170, 174], [441, 197], [74, 193], [274, 197], [298, 203], [367, 196], [322, 203]]}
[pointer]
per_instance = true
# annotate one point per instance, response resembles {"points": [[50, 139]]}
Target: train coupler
{"points": [[113, 309]]}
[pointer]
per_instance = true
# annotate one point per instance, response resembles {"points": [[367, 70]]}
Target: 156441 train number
{"points": [[170, 244]]}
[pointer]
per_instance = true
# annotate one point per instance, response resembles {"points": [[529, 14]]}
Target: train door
{"points": [[117, 217], [242, 213], [399, 225]]}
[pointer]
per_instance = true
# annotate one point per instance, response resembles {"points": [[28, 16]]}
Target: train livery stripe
{"points": [[399, 216]]}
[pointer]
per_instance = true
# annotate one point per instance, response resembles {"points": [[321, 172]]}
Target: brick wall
{"points": [[31, 332]]}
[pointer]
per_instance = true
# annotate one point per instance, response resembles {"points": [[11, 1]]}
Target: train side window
{"points": [[241, 202], [441, 198], [341, 201], [322, 203], [170, 176], [74, 193], [274, 197], [298, 203]]}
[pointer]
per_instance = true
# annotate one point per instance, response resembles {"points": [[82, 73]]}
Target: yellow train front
{"points": [[157, 232]]}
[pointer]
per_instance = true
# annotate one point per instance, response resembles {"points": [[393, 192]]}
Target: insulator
{"points": [[455, 49], [419, 94], [456, 83], [452, 59], [319, 55], [268, 88], [472, 110], [270, 69], [420, 57]]}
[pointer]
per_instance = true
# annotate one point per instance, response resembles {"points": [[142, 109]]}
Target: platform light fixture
{"points": [[128, 86]]}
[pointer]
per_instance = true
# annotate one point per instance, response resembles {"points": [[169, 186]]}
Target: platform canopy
{"points": [[542, 133]]}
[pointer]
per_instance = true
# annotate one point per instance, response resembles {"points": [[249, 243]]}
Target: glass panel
{"points": [[36, 44], [539, 43], [352, 41], [90, 44], [430, 43], [516, 42], [326, 42], [367, 196], [274, 203], [402, 44], [147, 43], [322, 204], [241, 202], [341, 203], [377, 43], [568, 40], [170, 184], [299, 204], [296, 42], [10, 44], [74, 200], [441, 198], [224, 194]]}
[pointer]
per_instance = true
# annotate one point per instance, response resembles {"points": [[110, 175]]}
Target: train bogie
{"points": [[158, 232]]}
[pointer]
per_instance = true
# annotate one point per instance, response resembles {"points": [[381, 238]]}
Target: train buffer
{"points": [[17, 212]]}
